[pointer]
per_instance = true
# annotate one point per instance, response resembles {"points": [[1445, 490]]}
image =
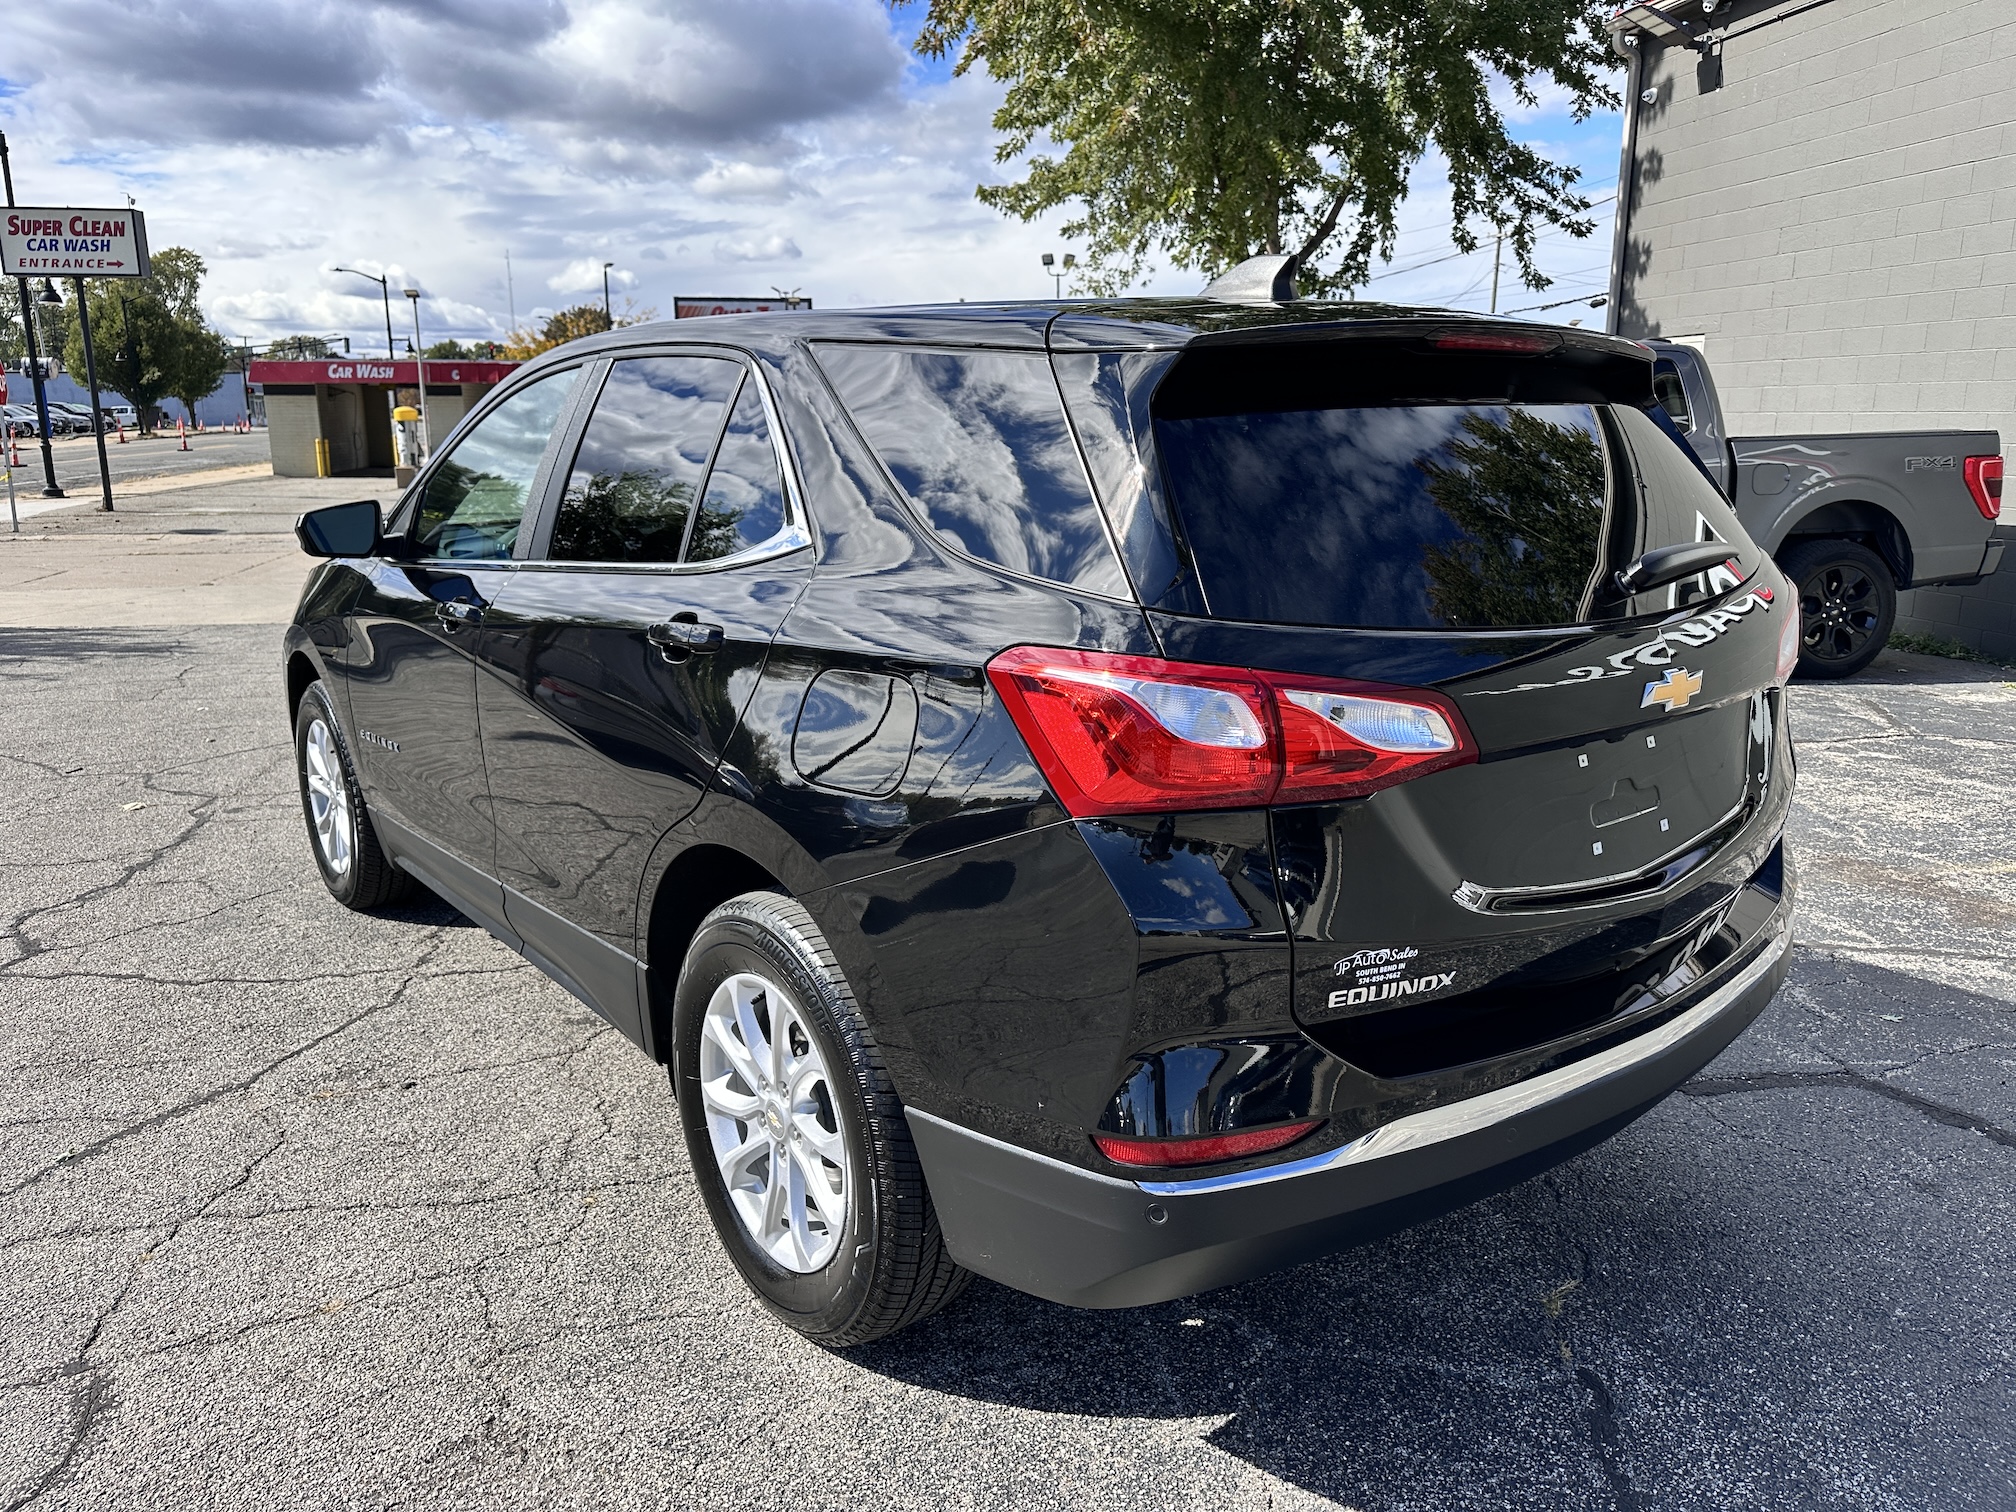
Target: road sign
{"points": [[690, 306], [71, 243]]}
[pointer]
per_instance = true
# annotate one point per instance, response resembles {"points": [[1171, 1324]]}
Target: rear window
{"points": [[1435, 516], [979, 443]]}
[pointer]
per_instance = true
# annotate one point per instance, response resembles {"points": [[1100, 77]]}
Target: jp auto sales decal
{"points": [[1674, 640], [1382, 974]]}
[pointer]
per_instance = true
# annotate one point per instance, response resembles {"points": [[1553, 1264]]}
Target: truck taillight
{"points": [[1136, 734], [1984, 481]]}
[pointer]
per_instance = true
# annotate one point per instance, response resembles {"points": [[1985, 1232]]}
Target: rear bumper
{"points": [[1077, 1237]]}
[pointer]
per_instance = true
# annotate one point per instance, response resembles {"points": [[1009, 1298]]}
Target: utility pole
{"points": [[97, 415], [1497, 251], [49, 489], [510, 295], [607, 314], [420, 368]]}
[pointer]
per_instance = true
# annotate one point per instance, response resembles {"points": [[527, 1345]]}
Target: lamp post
{"points": [[420, 368], [50, 489], [608, 315], [1050, 266], [385, 292]]}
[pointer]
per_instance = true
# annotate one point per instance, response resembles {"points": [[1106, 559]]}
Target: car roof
{"points": [[1065, 325]]}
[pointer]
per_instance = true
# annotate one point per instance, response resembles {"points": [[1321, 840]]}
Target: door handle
{"points": [[455, 612], [680, 638]]}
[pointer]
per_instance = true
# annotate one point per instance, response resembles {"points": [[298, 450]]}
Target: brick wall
{"points": [[1837, 217]]}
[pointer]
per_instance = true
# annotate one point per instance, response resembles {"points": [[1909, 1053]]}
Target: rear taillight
{"points": [[1136, 734], [1201, 1149], [1984, 481]]}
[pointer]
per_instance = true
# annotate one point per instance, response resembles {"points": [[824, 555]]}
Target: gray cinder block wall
{"points": [[1826, 199]]}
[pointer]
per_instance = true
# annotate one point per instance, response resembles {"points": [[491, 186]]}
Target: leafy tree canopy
{"points": [[467, 351], [568, 325], [148, 334], [1214, 130], [300, 349]]}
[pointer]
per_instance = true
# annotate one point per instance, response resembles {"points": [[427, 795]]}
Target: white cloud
{"points": [[705, 146], [772, 248], [584, 274]]}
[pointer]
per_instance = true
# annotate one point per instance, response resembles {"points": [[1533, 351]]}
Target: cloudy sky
{"points": [[723, 147]]}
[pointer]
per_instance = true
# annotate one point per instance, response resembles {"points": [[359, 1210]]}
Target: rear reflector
{"points": [[1136, 734], [1201, 1149], [1788, 644], [1984, 481]]}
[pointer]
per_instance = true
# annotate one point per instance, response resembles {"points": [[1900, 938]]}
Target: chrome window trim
{"points": [[792, 538], [1472, 1115]]}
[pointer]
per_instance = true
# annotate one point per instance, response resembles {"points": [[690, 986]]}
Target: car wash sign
{"points": [[69, 243]]}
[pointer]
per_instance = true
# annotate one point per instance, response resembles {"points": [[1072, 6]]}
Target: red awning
{"points": [[365, 370]]}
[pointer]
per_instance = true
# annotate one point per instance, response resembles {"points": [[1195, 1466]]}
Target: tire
{"points": [[354, 866], [1847, 605], [858, 1254]]}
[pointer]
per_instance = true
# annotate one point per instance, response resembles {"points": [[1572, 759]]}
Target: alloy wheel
{"points": [[770, 1119], [328, 797], [1838, 611]]}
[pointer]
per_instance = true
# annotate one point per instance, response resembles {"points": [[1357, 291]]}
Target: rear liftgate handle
{"points": [[684, 635]]}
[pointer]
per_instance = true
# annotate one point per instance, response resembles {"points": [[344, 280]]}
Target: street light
{"points": [[385, 293], [420, 367], [1050, 267], [607, 314]]}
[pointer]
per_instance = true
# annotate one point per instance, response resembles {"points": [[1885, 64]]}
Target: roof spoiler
{"points": [[1266, 279]]}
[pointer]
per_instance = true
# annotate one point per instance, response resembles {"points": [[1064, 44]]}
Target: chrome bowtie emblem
{"points": [[1673, 690]]}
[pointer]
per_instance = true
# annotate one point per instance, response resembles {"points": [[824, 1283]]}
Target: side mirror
{"points": [[340, 530]]}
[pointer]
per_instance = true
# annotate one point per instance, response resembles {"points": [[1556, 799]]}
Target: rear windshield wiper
{"points": [[1669, 564]]}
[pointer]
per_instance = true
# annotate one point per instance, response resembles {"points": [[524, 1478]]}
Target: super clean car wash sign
{"points": [[69, 243]]}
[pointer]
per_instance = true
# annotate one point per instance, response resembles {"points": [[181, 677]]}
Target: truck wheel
{"points": [[1847, 605], [798, 1141]]}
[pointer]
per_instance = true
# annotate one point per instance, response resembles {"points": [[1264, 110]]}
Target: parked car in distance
{"points": [[80, 415], [1851, 518], [1116, 797]]}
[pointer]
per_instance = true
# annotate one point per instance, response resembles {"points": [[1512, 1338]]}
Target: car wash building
{"points": [[1821, 196], [334, 416]]}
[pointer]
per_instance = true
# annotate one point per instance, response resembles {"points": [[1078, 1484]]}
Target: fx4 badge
{"points": [[1673, 690]]}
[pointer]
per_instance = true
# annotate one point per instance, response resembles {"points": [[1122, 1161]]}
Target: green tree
{"points": [[13, 345], [1215, 130], [1528, 495], [299, 349], [148, 334], [568, 325]]}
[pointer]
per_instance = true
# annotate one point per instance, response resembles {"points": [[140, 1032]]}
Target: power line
{"points": [[1452, 256]]}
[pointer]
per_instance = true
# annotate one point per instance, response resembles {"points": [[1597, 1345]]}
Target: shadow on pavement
{"points": [[1769, 1291]]}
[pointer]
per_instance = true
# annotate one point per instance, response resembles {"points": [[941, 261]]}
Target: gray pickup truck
{"points": [[1851, 519]]}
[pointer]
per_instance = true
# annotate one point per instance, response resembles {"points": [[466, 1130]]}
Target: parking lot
{"points": [[304, 1207]]}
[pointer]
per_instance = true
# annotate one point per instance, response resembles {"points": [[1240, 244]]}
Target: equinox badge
{"points": [[1673, 690]]}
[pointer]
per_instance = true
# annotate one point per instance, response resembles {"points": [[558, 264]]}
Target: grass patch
{"points": [[1939, 645]]}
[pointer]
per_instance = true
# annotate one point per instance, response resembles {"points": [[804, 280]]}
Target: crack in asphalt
{"points": [[1771, 1081], [243, 1083]]}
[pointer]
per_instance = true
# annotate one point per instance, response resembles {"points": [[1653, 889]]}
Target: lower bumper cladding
{"points": [[1090, 1240]]}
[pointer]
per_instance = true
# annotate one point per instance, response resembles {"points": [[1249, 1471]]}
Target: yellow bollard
{"points": [[322, 468]]}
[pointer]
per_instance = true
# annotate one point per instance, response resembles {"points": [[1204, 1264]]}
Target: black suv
{"points": [[1116, 797]]}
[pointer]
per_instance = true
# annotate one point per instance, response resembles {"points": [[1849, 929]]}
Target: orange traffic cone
{"points": [[122, 432], [182, 430]]}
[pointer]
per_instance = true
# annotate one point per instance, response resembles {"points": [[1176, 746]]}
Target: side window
{"points": [[979, 442], [1672, 394], [744, 502], [630, 492], [475, 499]]}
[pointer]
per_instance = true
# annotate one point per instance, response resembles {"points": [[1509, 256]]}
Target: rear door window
{"points": [[638, 469], [979, 443], [1432, 516]]}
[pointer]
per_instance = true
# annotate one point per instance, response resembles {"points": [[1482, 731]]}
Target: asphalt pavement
{"points": [[157, 456], [301, 1207]]}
